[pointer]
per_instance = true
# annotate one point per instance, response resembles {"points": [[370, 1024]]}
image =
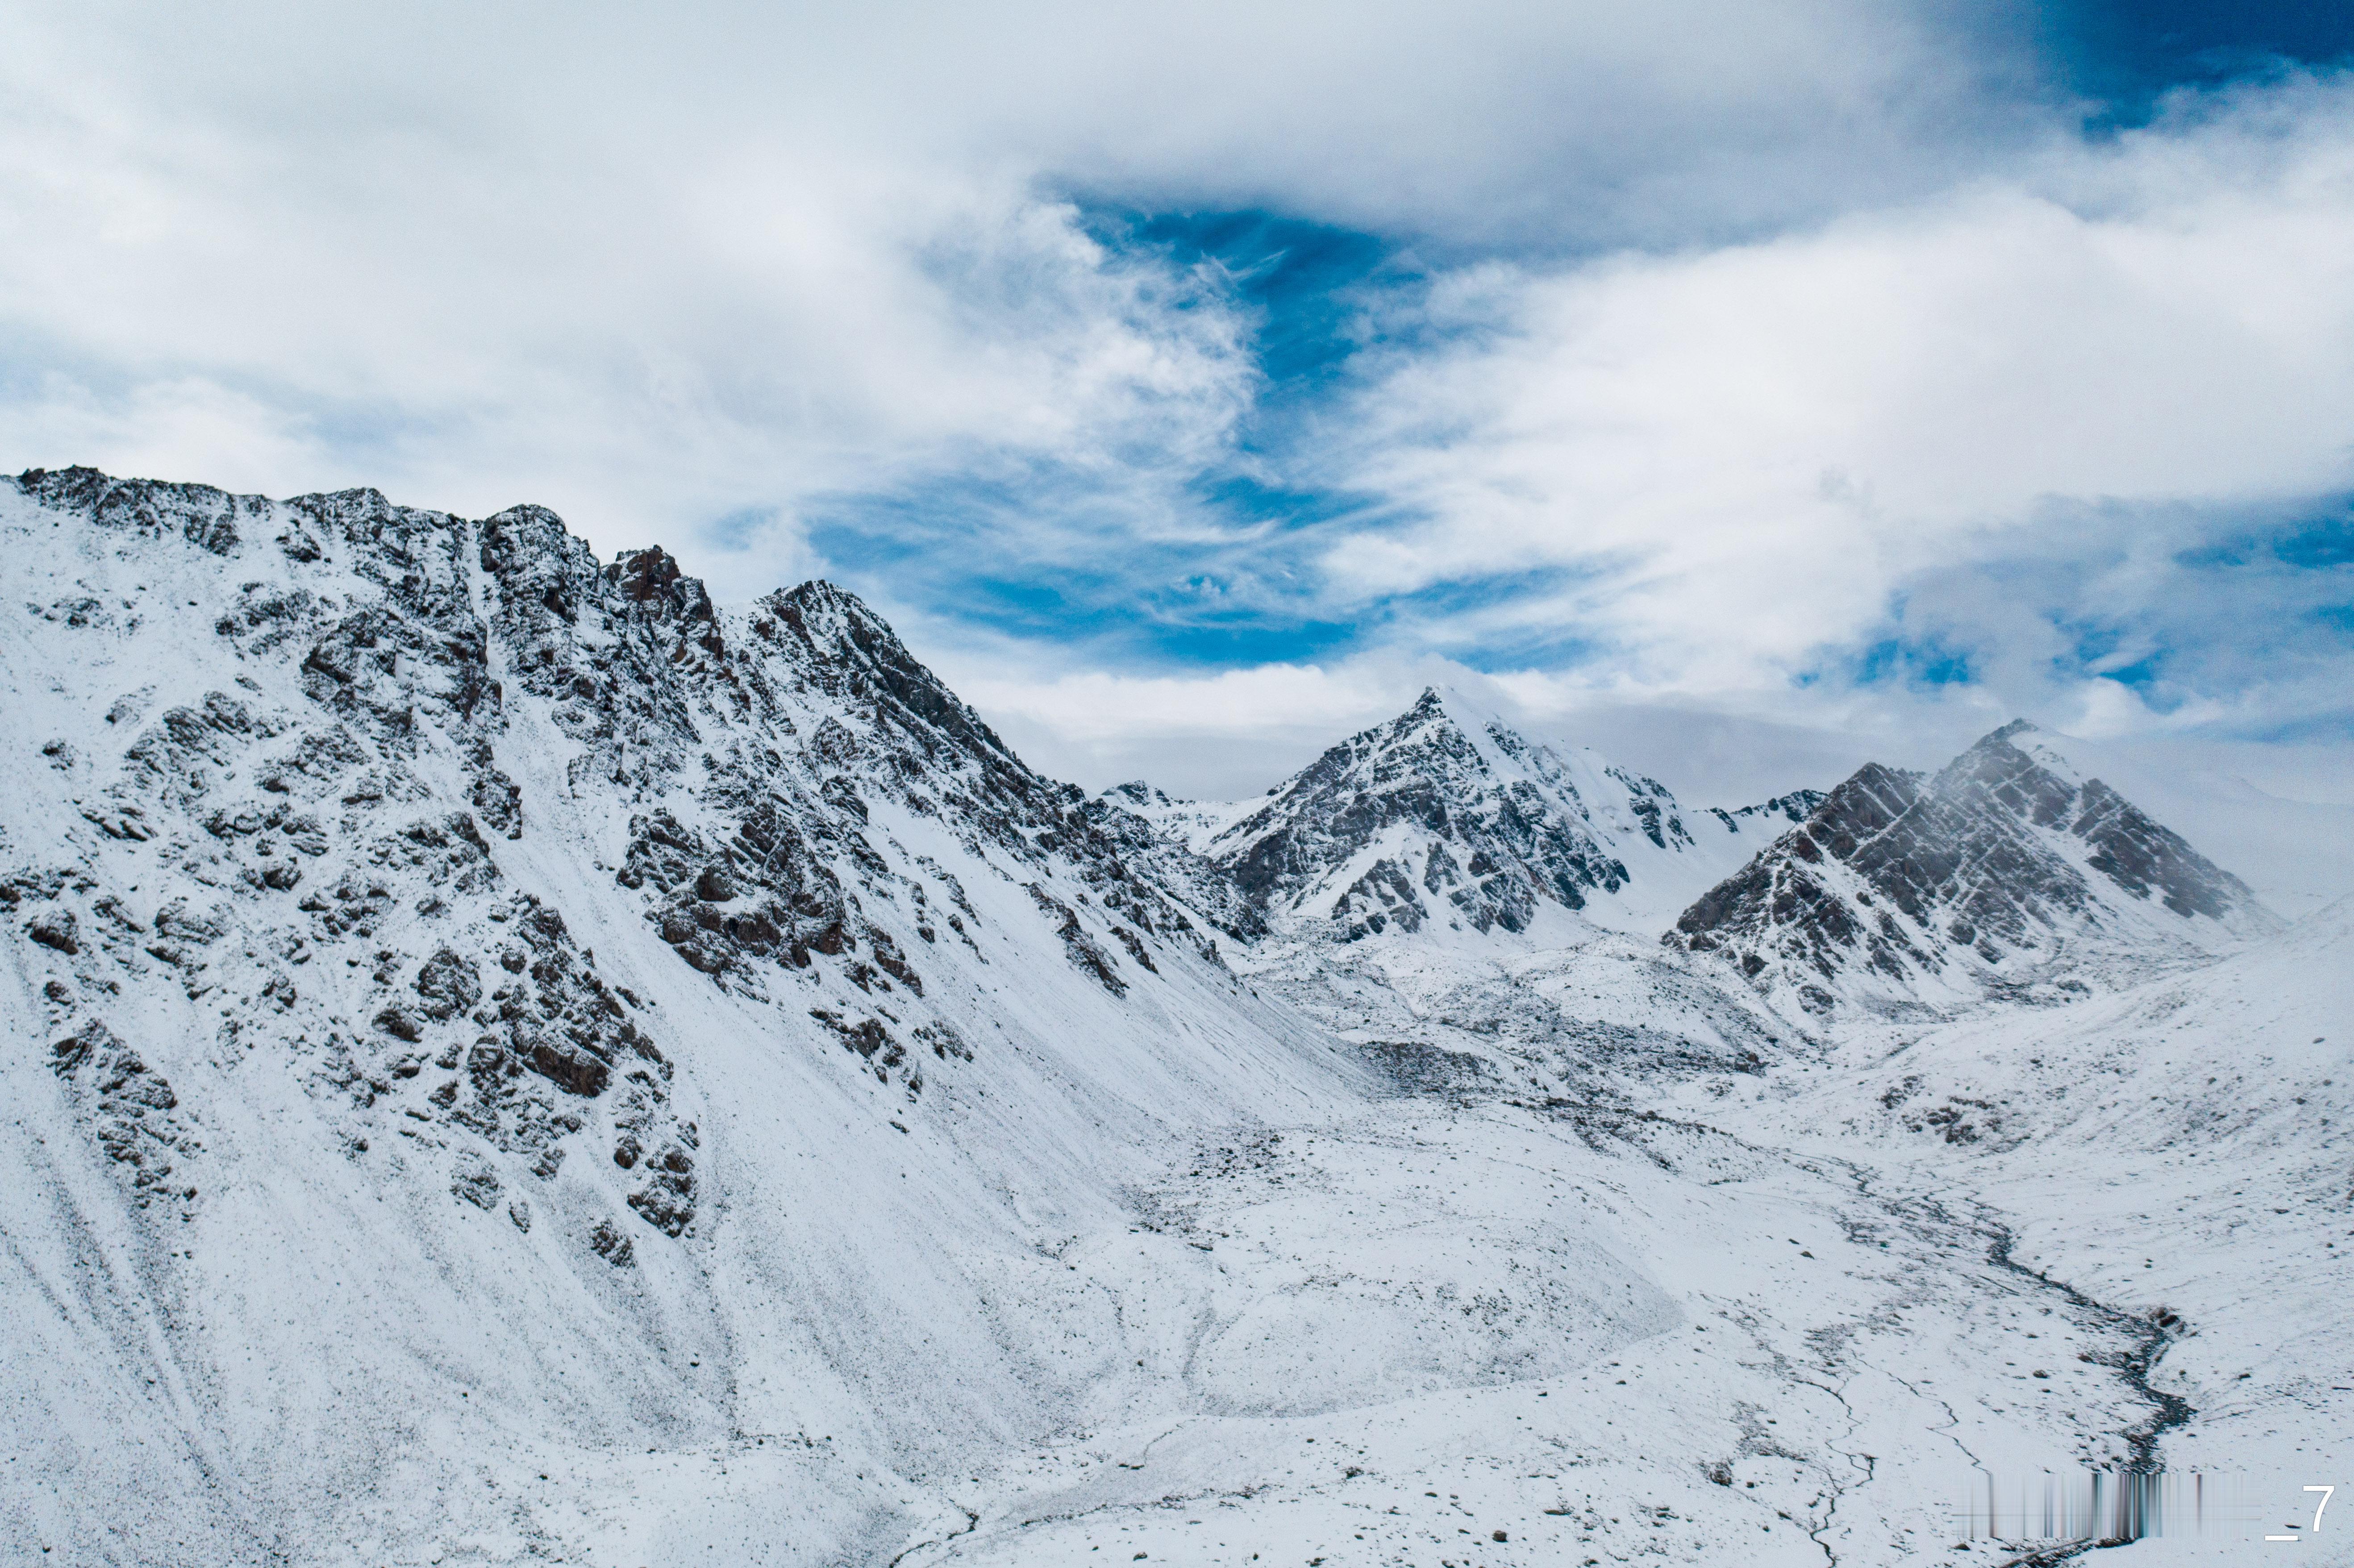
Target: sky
{"points": [[1744, 391]]}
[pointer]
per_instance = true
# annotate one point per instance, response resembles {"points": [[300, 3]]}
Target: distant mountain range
{"points": [[2006, 871]]}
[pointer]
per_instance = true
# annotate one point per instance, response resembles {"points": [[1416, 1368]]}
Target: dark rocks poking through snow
{"points": [[2000, 866], [1086, 954], [299, 830], [349, 825], [1468, 822], [1793, 807], [129, 1107]]}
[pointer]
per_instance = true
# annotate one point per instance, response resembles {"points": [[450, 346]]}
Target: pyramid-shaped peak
{"points": [[2008, 733], [2004, 864], [1446, 812], [819, 592], [1453, 706], [1442, 718], [824, 609]]}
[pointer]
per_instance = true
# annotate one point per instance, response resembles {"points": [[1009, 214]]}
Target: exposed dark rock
{"points": [[1155, 859], [1793, 807], [606, 1240], [56, 928], [127, 1107], [1996, 860], [1385, 896], [873, 1043], [667, 1200], [204, 517], [1083, 950], [477, 1183]]}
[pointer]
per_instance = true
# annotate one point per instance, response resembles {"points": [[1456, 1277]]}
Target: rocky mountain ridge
{"points": [[2008, 871], [2003, 870], [747, 745], [362, 861]]}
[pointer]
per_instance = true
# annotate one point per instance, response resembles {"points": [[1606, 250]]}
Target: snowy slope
{"points": [[2180, 1149], [1193, 823], [2298, 855], [1445, 879]]}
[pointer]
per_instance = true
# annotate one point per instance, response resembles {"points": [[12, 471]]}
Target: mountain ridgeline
{"points": [[724, 763], [1430, 813], [2006, 874]]}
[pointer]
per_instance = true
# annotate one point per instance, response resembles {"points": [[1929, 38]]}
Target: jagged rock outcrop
{"points": [[129, 1108], [2003, 869], [348, 813], [1146, 843]]}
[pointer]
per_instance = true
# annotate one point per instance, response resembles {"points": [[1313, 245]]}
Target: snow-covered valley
{"points": [[511, 1061]]}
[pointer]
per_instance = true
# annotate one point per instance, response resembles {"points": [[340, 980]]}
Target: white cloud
{"points": [[1741, 453], [474, 307], [652, 265], [1213, 735]]}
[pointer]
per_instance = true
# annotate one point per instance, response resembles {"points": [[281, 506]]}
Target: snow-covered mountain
{"points": [[2004, 871], [1447, 880], [1193, 824], [509, 1060], [1445, 876], [1449, 816], [445, 965]]}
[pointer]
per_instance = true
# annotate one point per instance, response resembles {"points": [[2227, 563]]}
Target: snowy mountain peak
{"points": [[653, 580], [2016, 727], [2003, 870], [1790, 807], [851, 653], [1448, 814]]}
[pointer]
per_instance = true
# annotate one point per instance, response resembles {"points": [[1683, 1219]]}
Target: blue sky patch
{"points": [[1900, 661], [2128, 54], [2317, 541], [1309, 289]]}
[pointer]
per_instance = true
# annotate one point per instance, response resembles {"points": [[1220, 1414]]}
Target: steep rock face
{"points": [[346, 811], [2003, 869], [1167, 861], [1449, 816]]}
